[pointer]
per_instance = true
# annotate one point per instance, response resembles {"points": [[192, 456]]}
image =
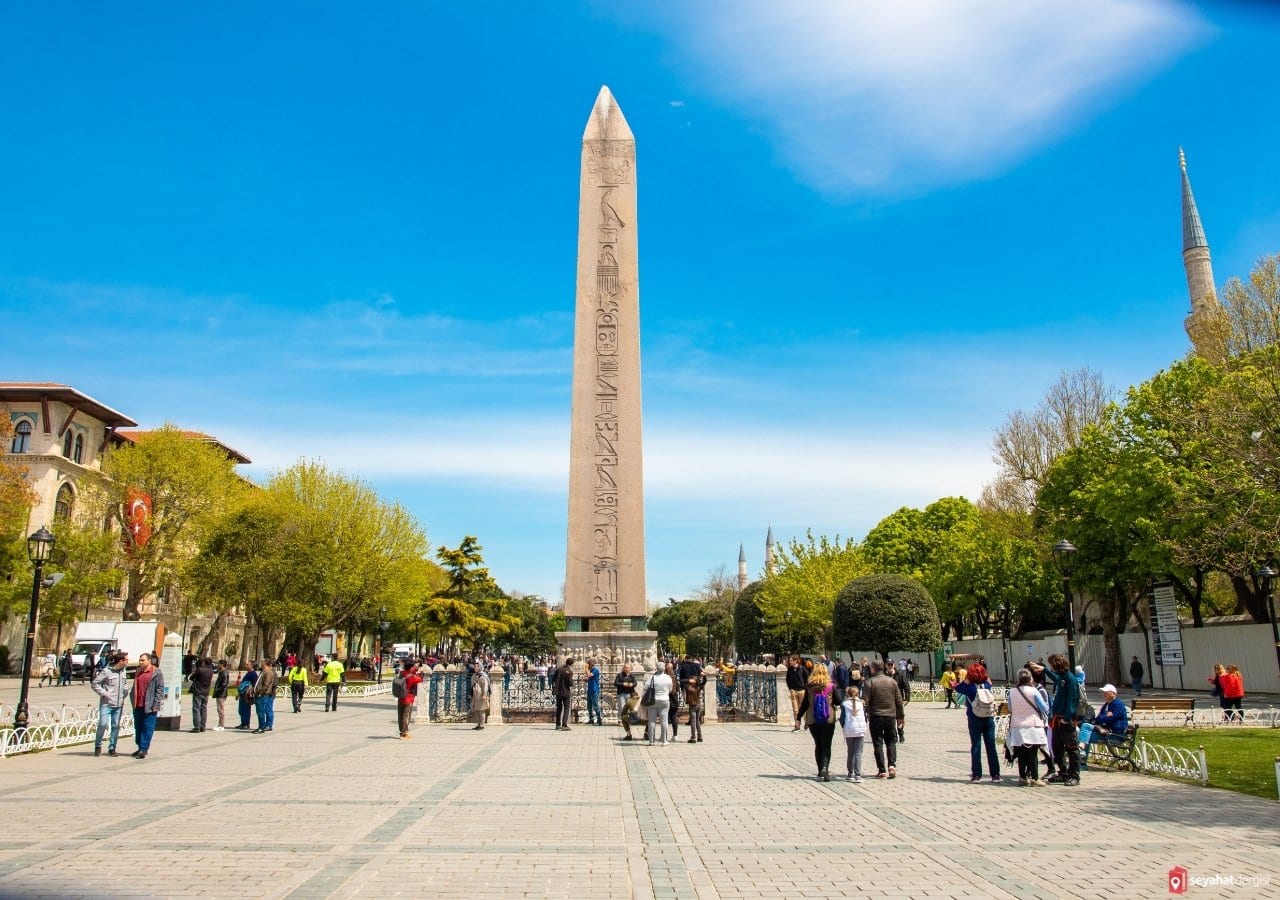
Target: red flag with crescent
{"points": [[137, 517]]}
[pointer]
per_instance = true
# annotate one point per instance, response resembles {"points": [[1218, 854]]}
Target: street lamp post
{"points": [[1008, 657], [1266, 575], [39, 546], [1063, 552], [790, 649], [382, 640]]}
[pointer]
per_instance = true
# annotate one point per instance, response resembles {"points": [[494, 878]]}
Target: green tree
{"points": [[1252, 308], [16, 500], [798, 600], [886, 612], [749, 623], [190, 483]]}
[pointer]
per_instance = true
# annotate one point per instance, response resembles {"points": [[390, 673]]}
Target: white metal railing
{"points": [[47, 732], [1174, 762], [920, 691], [1151, 759], [1208, 717], [347, 690]]}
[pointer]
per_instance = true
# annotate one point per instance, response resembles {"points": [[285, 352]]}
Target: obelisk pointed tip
{"points": [[606, 121]]}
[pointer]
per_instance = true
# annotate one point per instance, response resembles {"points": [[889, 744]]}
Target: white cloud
{"points": [[822, 469], [890, 97]]}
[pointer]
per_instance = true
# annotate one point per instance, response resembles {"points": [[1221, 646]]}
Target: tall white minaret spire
{"points": [[742, 567], [1206, 323], [769, 548]]}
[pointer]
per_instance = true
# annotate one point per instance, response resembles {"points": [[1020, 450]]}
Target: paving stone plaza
{"points": [[333, 805]]}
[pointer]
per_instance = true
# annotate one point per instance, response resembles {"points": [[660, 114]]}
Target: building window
{"points": [[63, 504], [79, 451], [21, 438], [66, 444]]}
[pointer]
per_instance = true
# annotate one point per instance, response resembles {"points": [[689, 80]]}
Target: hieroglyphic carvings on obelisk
{"points": [[605, 571]]}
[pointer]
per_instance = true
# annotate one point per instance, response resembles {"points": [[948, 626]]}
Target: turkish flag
{"points": [[137, 517]]}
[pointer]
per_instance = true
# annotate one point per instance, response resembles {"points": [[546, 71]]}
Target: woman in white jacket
{"points": [[1027, 716], [853, 722], [661, 683]]}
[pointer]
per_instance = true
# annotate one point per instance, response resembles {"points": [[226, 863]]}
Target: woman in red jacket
{"points": [[1232, 684]]}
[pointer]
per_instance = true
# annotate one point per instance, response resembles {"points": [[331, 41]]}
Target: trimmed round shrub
{"points": [[886, 613]]}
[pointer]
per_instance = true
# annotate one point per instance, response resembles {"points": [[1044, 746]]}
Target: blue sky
{"points": [[867, 233]]}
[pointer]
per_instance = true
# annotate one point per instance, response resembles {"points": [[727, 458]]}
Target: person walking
{"points": [[1135, 676], [264, 697], [1028, 716], [480, 686], [853, 725], [796, 678], [64, 669], [220, 683], [817, 711], [146, 696], [693, 701], [112, 687], [89, 669], [244, 696], [298, 681], [199, 682], [980, 711], [660, 683], [673, 709], [625, 685], [50, 669], [885, 712], [593, 694], [1231, 684], [333, 673], [404, 705], [562, 688], [948, 683]]}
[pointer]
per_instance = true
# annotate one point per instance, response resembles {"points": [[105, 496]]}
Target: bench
{"points": [[1112, 749], [1185, 705]]}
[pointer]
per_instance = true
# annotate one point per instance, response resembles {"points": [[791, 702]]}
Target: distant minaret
{"points": [[1205, 324], [742, 567], [769, 547]]}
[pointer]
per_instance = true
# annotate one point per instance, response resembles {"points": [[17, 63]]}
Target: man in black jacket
{"points": [[562, 687], [625, 684], [886, 714], [220, 681], [201, 680], [797, 675], [1135, 676]]}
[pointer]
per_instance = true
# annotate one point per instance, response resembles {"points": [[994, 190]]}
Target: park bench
{"points": [[1114, 750], [1185, 705]]}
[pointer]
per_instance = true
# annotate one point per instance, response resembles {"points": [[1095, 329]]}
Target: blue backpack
{"points": [[822, 706]]}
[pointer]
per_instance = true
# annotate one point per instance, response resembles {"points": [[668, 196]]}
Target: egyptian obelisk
{"points": [[604, 576]]}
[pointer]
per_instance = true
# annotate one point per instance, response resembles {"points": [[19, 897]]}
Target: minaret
{"points": [[1206, 322], [742, 567], [769, 547]]}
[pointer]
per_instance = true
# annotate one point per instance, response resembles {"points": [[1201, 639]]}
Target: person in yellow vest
{"points": [[332, 673], [948, 682], [297, 678]]}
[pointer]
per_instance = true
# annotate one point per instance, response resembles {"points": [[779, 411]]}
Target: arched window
{"points": [[79, 452], [64, 503], [21, 438], [66, 444]]}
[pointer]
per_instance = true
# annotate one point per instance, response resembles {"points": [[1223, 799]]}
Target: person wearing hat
{"points": [[1111, 723]]}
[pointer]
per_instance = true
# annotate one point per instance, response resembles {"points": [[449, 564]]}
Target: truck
{"points": [[98, 638]]}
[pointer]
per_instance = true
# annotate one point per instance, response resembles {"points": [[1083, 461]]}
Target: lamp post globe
{"points": [[1063, 554], [39, 547]]}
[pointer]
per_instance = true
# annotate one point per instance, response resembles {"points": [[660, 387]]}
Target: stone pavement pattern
{"points": [[334, 805]]}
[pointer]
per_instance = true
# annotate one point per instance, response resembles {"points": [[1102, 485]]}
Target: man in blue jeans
{"points": [[593, 694], [111, 685], [146, 697], [264, 697]]}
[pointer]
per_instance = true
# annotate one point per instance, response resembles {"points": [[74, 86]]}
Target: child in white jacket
{"points": [[853, 721]]}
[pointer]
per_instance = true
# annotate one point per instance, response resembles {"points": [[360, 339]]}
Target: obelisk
{"points": [[604, 577]]}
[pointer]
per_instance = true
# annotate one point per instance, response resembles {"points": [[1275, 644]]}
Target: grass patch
{"points": [[1240, 759]]}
